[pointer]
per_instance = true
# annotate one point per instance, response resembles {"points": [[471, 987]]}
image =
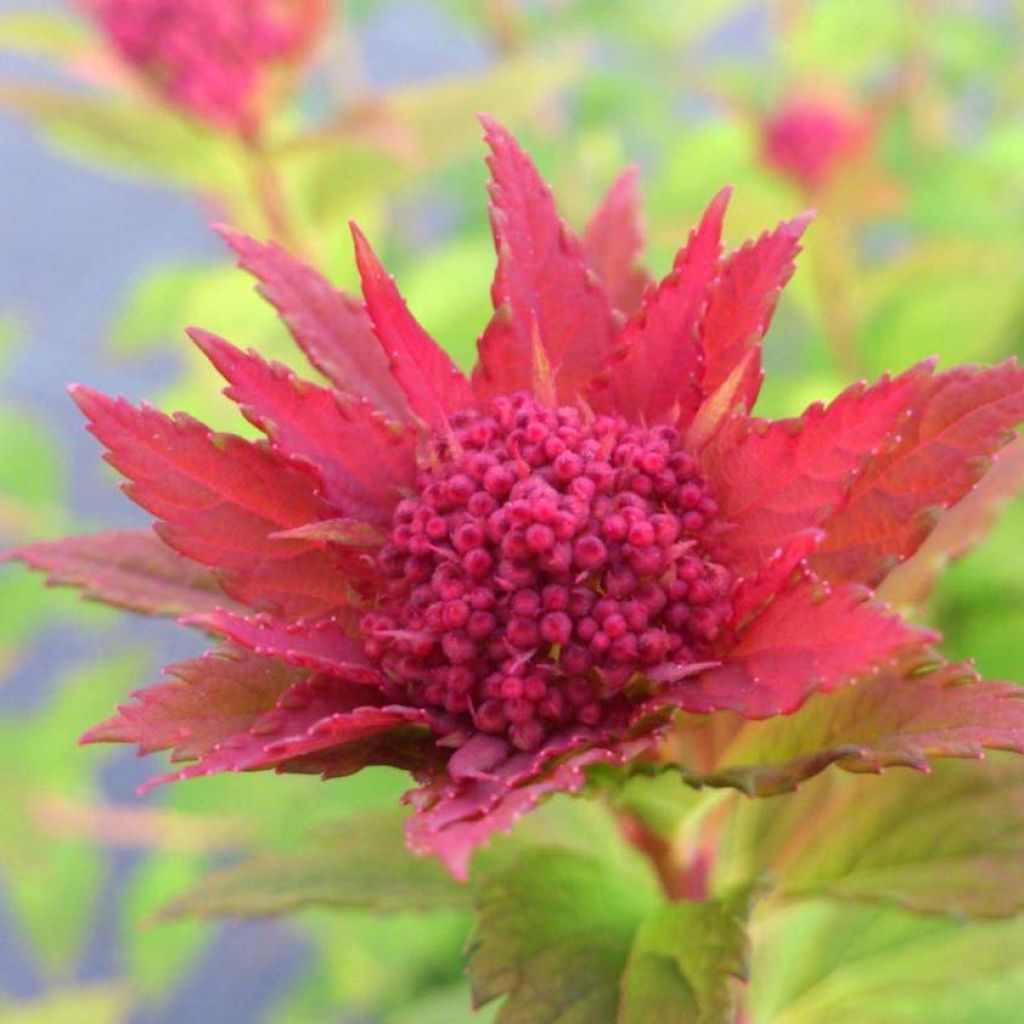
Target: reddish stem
{"points": [[679, 881]]}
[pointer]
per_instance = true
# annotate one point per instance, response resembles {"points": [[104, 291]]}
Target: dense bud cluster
{"points": [[205, 56], [549, 560]]}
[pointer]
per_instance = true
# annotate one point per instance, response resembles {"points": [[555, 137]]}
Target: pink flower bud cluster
{"points": [[209, 57], [549, 561], [809, 140]]}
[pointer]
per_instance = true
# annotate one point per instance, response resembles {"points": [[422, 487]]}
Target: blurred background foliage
{"points": [[918, 249]]}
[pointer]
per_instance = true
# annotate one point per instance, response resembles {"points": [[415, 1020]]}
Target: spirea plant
{"points": [[587, 568]]}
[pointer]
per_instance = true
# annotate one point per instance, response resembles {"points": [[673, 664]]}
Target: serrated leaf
{"points": [[361, 459], [777, 478], [902, 717], [662, 363], [964, 417], [131, 569], [554, 932], [547, 301], [809, 638], [331, 327], [614, 242], [220, 499], [952, 841], [959, 529], [362, 864], [433, 385], [742, 304], [209, 699], [682, 969]]}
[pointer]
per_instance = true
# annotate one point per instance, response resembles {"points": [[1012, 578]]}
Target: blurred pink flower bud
{"points": [[211, 58]]}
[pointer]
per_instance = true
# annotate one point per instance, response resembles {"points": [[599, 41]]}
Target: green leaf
{"points": [[373, 965], [819, 961], [157, 957], [126, 132], [952, 841], [363, 863], [685, 960], [97, 1004], [904, 717], [449, 1005], [42, 34], [554, 932], [52, 880]]}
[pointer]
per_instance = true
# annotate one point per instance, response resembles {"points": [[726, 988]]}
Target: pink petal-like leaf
{"points": [[130, 569], [742, 303], [313, 643], [208, 700], [332, 328], [753, 592], [775, 479], [220, 499], [613, 243], [659, 370], [363, 461], [351, 533], [958, 530], [315, 714], [809, 638], [432, 383], [542, 286], [453, 820], [964, 418]]}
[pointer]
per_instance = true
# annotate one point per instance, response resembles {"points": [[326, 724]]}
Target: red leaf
{"points": [[809, 638], [432, 383], [901, 717], [309, 643], [659, 371], [613, 243], [742, 303], [130, 569], [315, 582], [315, 714], [753, 592], [221, 499], [362, 460], [960, 529], [331, 327], [542, 286], [454, 820], [211, 698], [775, 479], [351, 533], [962, 420]]}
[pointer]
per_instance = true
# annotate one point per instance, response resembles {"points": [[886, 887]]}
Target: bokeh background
{"points": [[105, 255]]}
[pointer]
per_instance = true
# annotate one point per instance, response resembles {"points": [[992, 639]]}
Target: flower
{"points": [[810, 139], [211, 58], [495, 582]]}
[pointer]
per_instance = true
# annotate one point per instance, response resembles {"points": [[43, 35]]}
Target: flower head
{"points": [[809, 140], [494, 582], [210, 57]]}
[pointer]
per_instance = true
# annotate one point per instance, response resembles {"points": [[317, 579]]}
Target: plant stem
{"points": [[269, 195], [833, 269]]}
